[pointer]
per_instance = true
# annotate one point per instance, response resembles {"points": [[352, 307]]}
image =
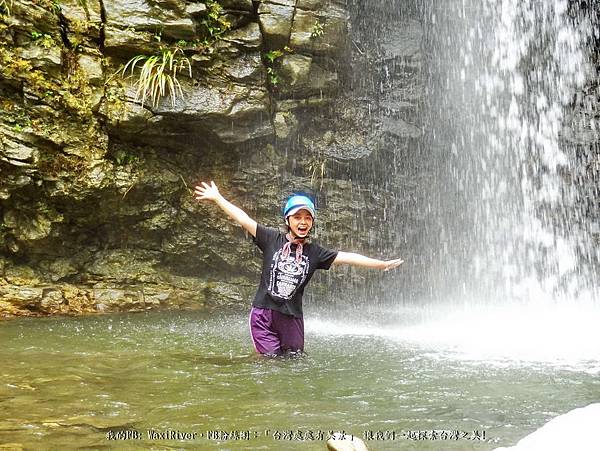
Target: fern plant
{"points": [[158, 75]]}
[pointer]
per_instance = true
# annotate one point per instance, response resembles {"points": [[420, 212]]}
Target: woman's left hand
{"points": [[391, 264]]}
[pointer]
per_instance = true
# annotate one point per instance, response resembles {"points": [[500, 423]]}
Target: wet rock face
{"points": [[96, 205]]}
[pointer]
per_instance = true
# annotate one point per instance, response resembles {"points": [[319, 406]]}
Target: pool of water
{"points": [[81, 382]]}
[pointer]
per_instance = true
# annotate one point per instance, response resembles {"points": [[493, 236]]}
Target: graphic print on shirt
{"points": [[287, 275]]}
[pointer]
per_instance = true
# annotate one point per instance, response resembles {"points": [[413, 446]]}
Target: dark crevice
{"points": [[102, 26], [292, 23], [63, 26]]}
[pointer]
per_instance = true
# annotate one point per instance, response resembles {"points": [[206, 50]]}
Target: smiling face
{"points": [[300, 223]]}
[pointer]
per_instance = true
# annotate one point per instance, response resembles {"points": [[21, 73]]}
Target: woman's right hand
{"points": [[204, 191]]}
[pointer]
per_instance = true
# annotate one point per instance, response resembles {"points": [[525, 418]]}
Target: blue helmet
{"points": [[298, 202]]}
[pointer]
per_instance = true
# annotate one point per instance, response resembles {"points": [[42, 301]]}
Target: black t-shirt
{"points": [[282, 281]]}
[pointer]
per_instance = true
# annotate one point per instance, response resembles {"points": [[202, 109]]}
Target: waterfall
{"points": [[501, 233], [510, 227]]}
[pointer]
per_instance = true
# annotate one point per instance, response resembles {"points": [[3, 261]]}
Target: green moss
{"points": [[59, 164], [45, 40], [70, 91]]}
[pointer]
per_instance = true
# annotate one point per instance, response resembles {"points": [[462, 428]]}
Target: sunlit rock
{"points": [[342, 442], [285, 124], [196, 9], [320, 28], [52, 301], [16, 152], [248, 37], [47, 59], [275, 20], [170, 19], [302, 77], [27, 15], [568, 431], [91, 66]]}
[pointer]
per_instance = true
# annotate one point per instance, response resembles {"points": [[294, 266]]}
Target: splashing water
{"points": [[511, 68], [514, 267], [538, 64]]}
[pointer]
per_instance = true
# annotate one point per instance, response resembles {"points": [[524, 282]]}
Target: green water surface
{"points": [[74, 383]]}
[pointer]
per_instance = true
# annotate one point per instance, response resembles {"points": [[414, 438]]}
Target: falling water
{"points": [[507, 71], [515, 255], [513, 268]]}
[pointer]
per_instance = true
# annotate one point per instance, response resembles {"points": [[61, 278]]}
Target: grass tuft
{"points": [[158, 75]]}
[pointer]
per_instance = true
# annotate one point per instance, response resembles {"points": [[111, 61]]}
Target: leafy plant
{"points": [[158, 74], [123, 158], [215, 23], [317, 30], [44, 39], [272, 55], [273, 77]]}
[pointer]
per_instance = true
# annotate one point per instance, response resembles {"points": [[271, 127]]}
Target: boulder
{"points": [[321, 30], [567, 431], [29, 226], [248, 37], [285, 124], [233, 114], [247, 69], [403, 41], [16, 152], [91, 65], [46, 59], [27, 15], [167, 19], [129, 42], [302, 76], [275, 19], [83, 21], [124, 265], [344, 442], [400, 128]]}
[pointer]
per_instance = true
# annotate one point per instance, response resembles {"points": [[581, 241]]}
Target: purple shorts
{"points": [[275, 333]]}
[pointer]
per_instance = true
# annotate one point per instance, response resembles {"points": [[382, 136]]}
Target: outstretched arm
{"points": [[204, 191], [350, 258]]}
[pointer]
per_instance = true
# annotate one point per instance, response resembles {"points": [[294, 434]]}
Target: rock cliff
{"points": [[96, 203]]}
